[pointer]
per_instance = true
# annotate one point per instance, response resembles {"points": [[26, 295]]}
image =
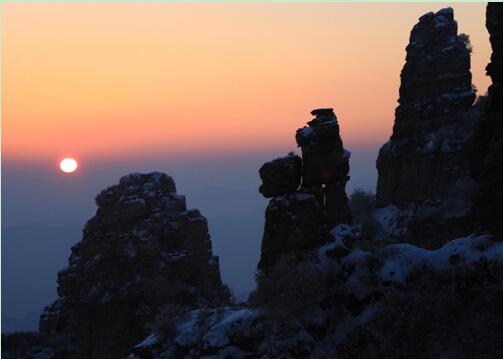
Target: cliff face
{"points": [[296, 218], [488, 159], [424, 167], [142, 250]]}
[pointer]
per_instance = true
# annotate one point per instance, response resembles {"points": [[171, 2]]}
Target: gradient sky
{"points": [[204, 92], [97, 80]]}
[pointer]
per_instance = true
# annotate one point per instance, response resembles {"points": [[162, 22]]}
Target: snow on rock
{"points": [[397, 261], [432, 133], [214, 330], [340, 241], [152, 339], [400, 259], [392, 222], [218, 335], [187, 333]]}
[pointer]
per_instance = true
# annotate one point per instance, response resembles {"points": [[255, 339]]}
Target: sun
{"points": [[68, 165]]}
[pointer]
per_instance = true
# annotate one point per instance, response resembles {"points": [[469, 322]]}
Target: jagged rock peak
{"points": [[487, 164], [142, 250], [322, 116], [325, 160], [436, 78], [426, 161], [137, 185]]}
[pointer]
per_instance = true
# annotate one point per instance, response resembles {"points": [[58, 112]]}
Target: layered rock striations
{"points": [[424, 167], [142, 250], [308, 194], [488, 159]]}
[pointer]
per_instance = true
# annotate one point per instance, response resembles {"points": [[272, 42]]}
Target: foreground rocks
{"points": [[297, 218], [424, 167], [142, 250], [335, 306]]}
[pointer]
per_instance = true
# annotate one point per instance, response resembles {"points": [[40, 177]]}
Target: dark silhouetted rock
{"points": [[425, 164], [293, 225], [141, 250], [324, 159], [281, 176], [488, 159], [297, 220]]}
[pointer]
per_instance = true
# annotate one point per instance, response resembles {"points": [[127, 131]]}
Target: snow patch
{"points": [[218, 336], [152, 339]]}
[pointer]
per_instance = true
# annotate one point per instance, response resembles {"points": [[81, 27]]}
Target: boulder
{"points": [[280, 176]]}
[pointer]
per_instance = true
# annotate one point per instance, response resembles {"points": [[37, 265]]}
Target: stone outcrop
{"points": [[281, 176], [325, 164], [424, 167], [293, 224], [488, 159], [142, 250], [297, 219]]}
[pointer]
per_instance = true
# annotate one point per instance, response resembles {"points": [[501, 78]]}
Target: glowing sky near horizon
{"points": [[106, 80]]}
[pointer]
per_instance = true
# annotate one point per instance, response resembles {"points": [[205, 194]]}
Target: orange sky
{"points": [[102, 80]]}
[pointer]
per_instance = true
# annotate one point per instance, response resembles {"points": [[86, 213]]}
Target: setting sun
{"points": [[68, 165]]}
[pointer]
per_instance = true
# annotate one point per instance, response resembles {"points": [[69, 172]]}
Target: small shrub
{"points": [[292, 285], [363, 205], [203, 317], [465, 39], [168, 318]]}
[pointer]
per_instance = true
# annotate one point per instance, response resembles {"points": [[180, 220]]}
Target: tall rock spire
{"points": [[425, 162], [488, 159]]}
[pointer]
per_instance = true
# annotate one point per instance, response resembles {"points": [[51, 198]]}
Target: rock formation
{"points": [[325, 164], [142, 250], [424, 167], [297, 219], [281, 176], [488, 159]]}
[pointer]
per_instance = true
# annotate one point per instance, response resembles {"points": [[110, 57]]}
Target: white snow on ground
{"points": [[148, 341], [393, 263], [218, 335], [399, 259], [387, 218], [340, 234], [187, 332]]}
